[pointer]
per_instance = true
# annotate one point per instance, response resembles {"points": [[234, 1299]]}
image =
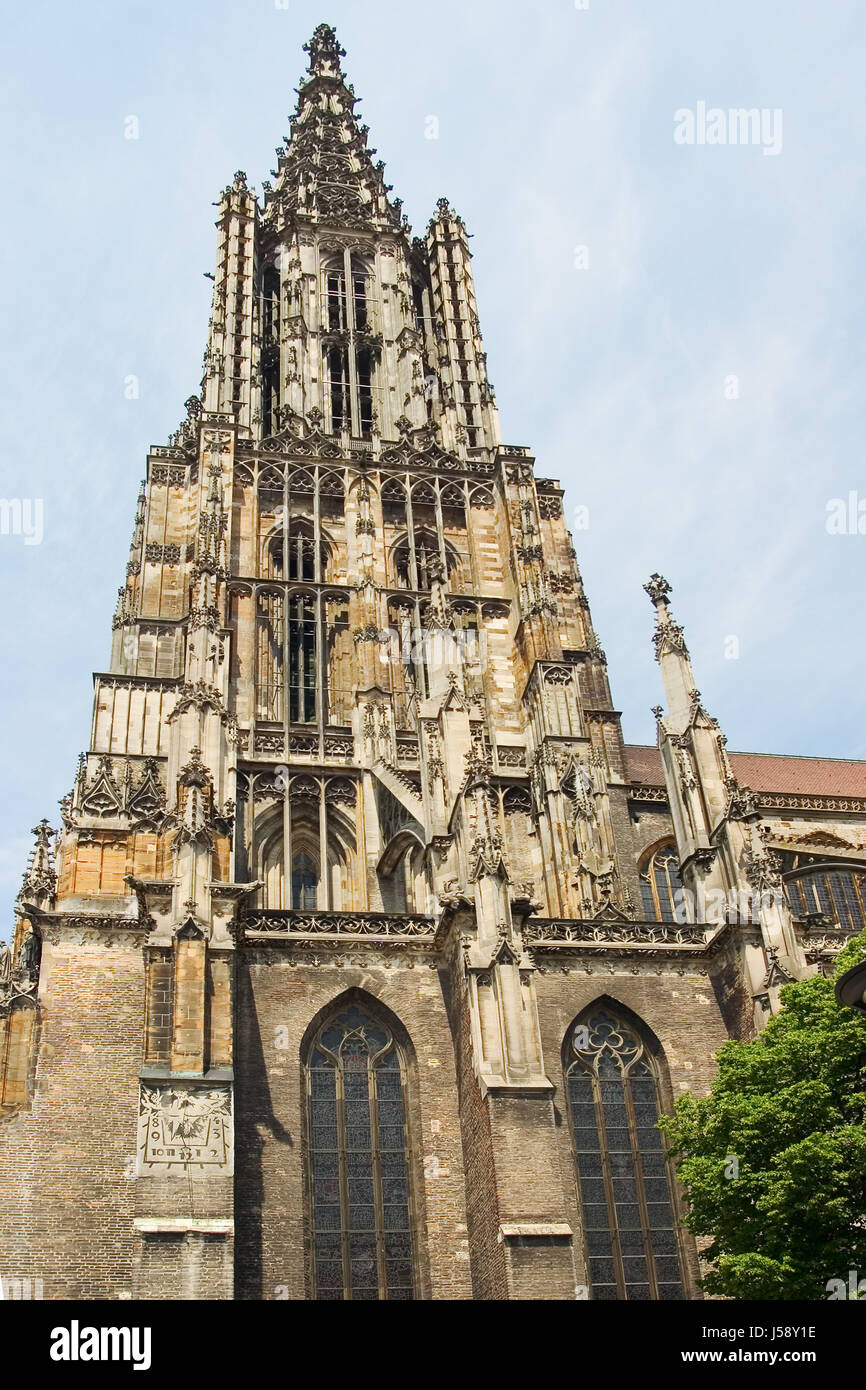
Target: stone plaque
{"points": [[180, 1127]]}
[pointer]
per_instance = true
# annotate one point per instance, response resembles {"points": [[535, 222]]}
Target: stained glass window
{"points": [[359, 1161], [630, 1227], [660, 884], [836, 891]]}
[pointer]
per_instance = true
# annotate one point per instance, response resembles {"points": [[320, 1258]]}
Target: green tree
{"points": [[773, 1160]]}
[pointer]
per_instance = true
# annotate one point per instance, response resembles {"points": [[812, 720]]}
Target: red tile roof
{"points": [[766, 772]]}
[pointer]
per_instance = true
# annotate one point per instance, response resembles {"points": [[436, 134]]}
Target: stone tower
{"points": [[304, 999]]}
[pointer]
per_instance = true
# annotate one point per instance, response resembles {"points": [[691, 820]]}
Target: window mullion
{"points": [[649, 1256], [378, 1202], [601, 1126], [342, 1149]]}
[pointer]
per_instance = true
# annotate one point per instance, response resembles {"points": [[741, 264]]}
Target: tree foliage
{"points": [[774, 1159]]}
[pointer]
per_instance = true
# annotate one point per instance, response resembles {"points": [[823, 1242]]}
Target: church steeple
{"points": [[327, 315], [325, 172], [356, 800]]}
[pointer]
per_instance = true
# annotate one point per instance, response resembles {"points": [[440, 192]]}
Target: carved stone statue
{"points": [[5, 964], [31, 953]]}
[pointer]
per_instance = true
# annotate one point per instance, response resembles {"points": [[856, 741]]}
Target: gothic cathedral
{"points": [[368, 953]]}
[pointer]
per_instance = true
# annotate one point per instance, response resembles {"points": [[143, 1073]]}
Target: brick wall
{"points": [[67, 1163], [679, 1007], [276, 1005]]}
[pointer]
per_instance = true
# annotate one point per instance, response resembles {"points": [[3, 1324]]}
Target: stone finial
{"points": [[668, 635], [325, 52], [658, 588]]}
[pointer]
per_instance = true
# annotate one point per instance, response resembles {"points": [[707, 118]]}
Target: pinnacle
{"points": [[657, 588], [445, 212], [325, 53]]}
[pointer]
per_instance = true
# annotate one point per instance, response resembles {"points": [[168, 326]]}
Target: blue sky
{"points": [[556, 131]]}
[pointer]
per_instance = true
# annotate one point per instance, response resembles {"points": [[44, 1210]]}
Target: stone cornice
{"points": [[117, 679], [92, 929], [786, 801], [337, 927], [635, 939]]}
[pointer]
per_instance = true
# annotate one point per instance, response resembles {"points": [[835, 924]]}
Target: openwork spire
{"points": [[326, 172]]}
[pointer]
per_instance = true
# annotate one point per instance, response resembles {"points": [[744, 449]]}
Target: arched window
{"points": [[347, 317], [393, 503], [839, 892], [335, 297], [453, 502], [305, 883], [337, 368], [359, 293], [365, 389], [660, 885], [302, 659], [313, 822], [401, 874], [269, 655], [293, 556], [626, 1189], [270, 351], [296, 630], [413, 569], [359, 1162], [332, 497]]}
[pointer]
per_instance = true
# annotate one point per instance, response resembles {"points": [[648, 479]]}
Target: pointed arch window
{"points": [[305, 883], [358, 1173], [359, 293], [832, 889], [347, 318], [660, 885], [302, 659], [453, 502], [393, 503], [624, 1179], [335, 292], [293, 555], [270, 317], [338, 387], [364, 363], [414, 566]]}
